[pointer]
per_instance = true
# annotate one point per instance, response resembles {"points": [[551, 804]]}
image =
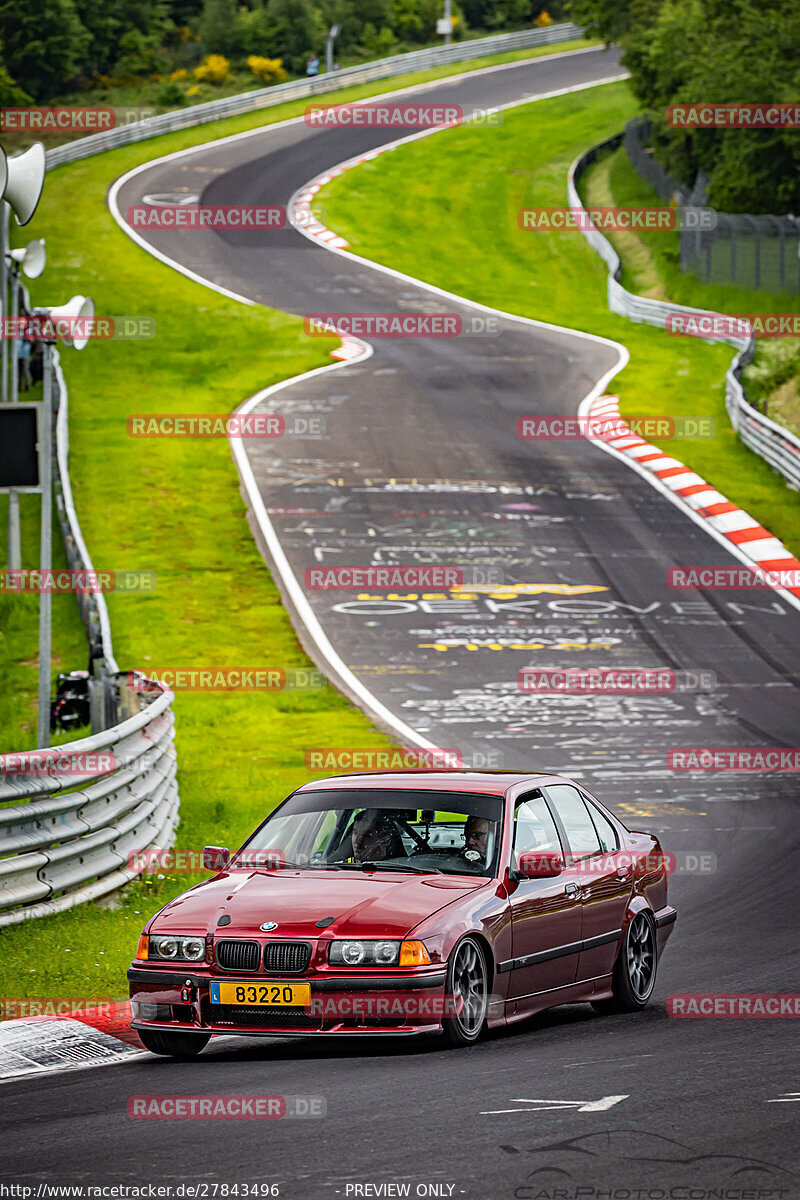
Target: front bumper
{"points": [[340, 1004]]}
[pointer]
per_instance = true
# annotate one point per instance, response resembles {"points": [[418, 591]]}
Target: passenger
{"points": [[476, 840]]}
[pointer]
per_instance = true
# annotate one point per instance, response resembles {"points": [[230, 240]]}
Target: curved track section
{"points": [[421, 462], [583, 555]]}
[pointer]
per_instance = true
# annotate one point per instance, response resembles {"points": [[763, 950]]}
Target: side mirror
{"points": [[536, 865], [216, 858]]}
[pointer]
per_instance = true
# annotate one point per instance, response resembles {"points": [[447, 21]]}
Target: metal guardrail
{"points": [[63, 847], [70, 824], [777, 446], [94, 611], [298, 89]]}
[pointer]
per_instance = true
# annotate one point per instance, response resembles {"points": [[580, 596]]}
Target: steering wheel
{"points": [[473, 857]]}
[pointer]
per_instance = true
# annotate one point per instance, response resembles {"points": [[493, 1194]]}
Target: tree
{"points": [[292, 30], [218, 27], [125, 36], [608, 19], [44, 43], [696, 52], [415, 20], [10, 94]]}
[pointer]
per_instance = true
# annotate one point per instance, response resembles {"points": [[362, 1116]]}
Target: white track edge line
{"points": [[299, 599]]}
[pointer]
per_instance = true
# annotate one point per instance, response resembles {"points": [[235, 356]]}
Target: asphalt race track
{"points": [[692, 1102]]}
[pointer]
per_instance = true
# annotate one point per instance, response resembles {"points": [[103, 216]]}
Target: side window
{"points": [[534, 827], [575, 818], [607, 832]]}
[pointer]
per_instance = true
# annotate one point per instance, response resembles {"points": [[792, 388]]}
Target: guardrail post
{"points": [[46, 551]]}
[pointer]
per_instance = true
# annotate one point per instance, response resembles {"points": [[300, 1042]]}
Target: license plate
{"points": [[260, 995]]}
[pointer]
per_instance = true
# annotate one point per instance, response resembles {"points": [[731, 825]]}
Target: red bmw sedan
{"points": [[408, 902]]}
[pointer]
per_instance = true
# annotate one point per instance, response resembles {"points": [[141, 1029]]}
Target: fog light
{"points": [[154, 1012]]}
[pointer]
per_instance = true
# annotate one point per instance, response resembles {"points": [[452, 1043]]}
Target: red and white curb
{"points": [[350, 349], [301, 215], [92, 1038], [727, 521]]}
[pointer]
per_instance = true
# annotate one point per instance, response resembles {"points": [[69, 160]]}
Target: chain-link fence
{"points": [[754, 251]]}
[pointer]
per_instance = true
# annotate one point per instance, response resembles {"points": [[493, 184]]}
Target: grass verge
{"points": [[435, 203]]}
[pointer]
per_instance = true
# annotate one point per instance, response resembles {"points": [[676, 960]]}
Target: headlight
{"points": [[169, 946], [359, 954]]}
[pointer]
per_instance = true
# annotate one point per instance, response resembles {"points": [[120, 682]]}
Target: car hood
{"points": [[362, 905]]}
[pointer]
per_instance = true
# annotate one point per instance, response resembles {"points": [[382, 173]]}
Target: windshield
{"points": [[453, 833]]}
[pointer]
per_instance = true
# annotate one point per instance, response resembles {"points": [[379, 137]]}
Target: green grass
{"points": [[434, 206]]}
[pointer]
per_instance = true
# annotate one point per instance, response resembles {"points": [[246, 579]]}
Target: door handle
{"points": [[571, 889]]}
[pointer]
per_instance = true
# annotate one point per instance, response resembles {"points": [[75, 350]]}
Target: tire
{"points": [[467, 980], [634, 975], [174, 1045]]}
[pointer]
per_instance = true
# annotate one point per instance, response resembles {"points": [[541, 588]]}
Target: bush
{"points": [[268, 70], [679, 52], [171, 95], [214, 68], [774, 365], [178, 76]]}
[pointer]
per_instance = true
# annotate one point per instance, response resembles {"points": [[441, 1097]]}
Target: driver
{"points": [[476, 839], [375, 836]]}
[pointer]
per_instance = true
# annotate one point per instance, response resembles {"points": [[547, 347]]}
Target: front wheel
{"points": [[634, 974], [467, 986], [175, 1045]]}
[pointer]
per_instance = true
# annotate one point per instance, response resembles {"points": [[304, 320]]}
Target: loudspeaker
{"points": [[32, 258], [25, 180], [79, 307]]}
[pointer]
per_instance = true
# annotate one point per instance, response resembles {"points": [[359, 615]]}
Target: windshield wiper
{"points": [[381, 866], [279, 865]]}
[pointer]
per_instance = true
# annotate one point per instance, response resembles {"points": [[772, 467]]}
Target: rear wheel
{"points": [[467, 985], [634, 974], [175, 1045]]}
